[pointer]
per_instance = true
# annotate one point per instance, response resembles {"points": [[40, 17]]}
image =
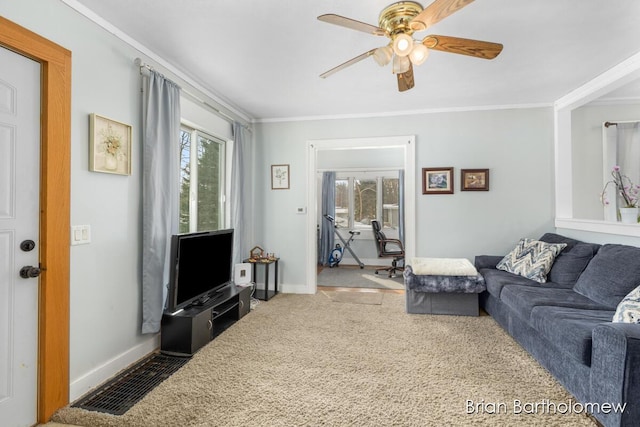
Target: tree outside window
{"points": [[201, 182], [360, 200]]}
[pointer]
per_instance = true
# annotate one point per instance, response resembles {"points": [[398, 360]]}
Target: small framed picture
{"points": [[474, 180], [109, 146], [279, 177], [437, 180]]}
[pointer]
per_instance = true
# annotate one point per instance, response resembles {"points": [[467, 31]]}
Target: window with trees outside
{"points": [[202, 181], [361, 198]]}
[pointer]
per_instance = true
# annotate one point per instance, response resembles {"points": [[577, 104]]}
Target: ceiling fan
{"points": [[398, 22]]}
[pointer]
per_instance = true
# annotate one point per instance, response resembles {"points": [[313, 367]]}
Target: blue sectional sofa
{"points": [[566, 323]]}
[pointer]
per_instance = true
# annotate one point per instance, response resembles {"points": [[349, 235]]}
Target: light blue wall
{"points": [[516, 145], [104, 290], [105, 279]]}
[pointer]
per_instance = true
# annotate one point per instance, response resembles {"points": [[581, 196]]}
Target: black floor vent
{"points": [[119, 394]]}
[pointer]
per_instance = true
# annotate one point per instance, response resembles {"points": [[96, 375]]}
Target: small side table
{"points": [[265, 262]]}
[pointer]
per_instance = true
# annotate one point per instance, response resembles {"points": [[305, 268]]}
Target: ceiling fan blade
{"points": [[342, 21], [405, 80], [435, 12], [347, 64], [476, 48]]}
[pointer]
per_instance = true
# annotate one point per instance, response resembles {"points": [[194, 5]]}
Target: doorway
{"points": [[317, 150], [55, 166]]}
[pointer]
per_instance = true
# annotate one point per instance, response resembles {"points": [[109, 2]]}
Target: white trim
{"points": [[98, 20], [405, 113], [612, 79], [615, 101], [595, 226], [95, 377], [313, 146]]}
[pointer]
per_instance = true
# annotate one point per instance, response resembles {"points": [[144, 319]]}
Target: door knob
{"points": [[28, 271]]}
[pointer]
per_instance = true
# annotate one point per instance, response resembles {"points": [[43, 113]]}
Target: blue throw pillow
{"points": [[572, 261], [531, 259], [611, 275]]}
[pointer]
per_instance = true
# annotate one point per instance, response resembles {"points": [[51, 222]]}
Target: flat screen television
{"points": [[201, 264]]}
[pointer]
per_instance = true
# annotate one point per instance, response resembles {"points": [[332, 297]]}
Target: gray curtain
{"points": [[241, 193], [160, 191], [401, 206], [328, 208]]}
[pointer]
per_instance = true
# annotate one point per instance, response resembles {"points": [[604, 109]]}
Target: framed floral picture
{"points": [[474, 180], [279, 177], [109, 146], [437, 180]]}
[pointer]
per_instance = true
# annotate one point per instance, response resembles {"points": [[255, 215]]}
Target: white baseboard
{"points": [[80, 386], [294, 289], [286, 288]]}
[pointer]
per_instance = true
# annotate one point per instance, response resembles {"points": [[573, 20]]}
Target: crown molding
{"points": [[222, 104], [405, 113]]}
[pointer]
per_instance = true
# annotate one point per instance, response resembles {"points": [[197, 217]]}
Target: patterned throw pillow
{"points": [[531, 259], [628, 310]]}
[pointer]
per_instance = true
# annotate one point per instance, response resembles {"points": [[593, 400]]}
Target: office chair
{"points": [[388, 248]]}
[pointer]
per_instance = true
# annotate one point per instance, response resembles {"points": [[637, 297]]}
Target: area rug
{"points": [[371, 298], [355, 277], [303, 360]]}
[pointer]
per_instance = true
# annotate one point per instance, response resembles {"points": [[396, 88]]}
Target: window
{"points": [[202, 175], [361, 198]]}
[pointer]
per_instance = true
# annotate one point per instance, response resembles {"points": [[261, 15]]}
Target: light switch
{"points": [[80, 235]]}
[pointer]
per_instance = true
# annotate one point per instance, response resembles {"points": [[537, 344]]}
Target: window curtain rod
{"points": [[607, 124], [146, 67]]}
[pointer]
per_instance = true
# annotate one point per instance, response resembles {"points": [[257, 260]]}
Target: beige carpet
{"points": [[303, 360], [372, 298]]}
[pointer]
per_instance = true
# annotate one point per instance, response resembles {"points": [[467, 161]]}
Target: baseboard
{"points": [[95, 377], [295, 289], [286, 288]]}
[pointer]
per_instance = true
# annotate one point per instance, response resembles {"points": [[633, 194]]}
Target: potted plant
{"points": [[628, 192]]}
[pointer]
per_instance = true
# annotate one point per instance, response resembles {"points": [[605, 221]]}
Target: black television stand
{"points": [[186, 331]]}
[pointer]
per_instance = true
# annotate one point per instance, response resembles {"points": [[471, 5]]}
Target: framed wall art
{"points": [[437, 180], [109, 146], [279, 177], [474, 180]]}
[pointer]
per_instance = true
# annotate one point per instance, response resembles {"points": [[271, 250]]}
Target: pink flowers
{"points": [[624, 187]]}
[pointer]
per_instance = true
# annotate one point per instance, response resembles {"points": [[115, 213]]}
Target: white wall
{"points": [[516, 145]]}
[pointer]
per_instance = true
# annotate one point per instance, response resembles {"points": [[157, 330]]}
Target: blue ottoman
{"points": [[442, 286]]}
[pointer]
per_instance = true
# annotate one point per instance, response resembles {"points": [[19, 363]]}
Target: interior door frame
{"points": [[405, 142], [55, 192]]}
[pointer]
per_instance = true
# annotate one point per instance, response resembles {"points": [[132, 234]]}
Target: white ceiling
{"points": [[264, 57]]}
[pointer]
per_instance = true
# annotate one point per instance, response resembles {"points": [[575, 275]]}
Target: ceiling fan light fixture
{"points": [[400, 64], [402, 44], [383, 55], [418, 54]]}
